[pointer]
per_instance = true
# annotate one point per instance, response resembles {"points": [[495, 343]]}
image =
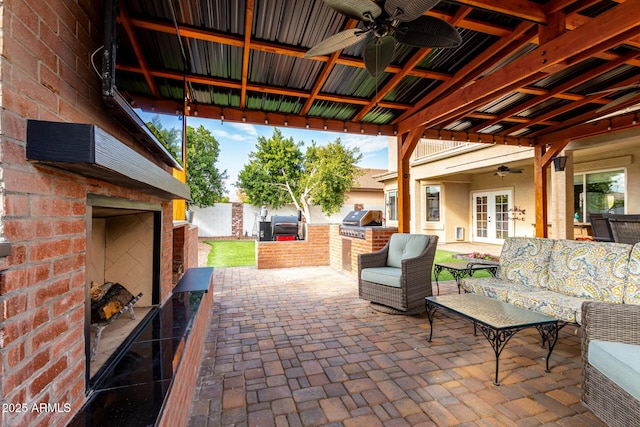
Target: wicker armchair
{"points": [[397, 278], [604, 397]]}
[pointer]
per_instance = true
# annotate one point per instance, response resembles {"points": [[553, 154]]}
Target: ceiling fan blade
{"points": [[337, 42], [615, 89], [427, 31], [378, 54], [618, 101], [408, 10], [363, 10]]}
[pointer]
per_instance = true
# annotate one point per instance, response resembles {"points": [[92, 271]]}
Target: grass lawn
{"points": [[238, 253], [231, 253]]}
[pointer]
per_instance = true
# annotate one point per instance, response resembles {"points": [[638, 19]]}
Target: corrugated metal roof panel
{"points": [[214, 59], [333, 110], [451, 60], [410, 89], [379, 115], [351, 81], [218, 15], [505, 103]]}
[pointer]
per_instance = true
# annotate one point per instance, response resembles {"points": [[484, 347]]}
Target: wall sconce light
{"points": [[559, 163], [244, 118], [286, 123]]}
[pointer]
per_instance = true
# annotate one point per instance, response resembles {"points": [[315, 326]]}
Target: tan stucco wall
{"points": [[462, 175]]}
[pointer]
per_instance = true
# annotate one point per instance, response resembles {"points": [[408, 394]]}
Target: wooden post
{"points": [[540, 183], [406, 144]]}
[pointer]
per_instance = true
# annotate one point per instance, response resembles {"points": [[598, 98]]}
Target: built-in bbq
{"points": [[356, 222]]}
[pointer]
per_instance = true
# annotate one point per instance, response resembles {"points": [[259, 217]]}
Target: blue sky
{"points": [[237, 140]]}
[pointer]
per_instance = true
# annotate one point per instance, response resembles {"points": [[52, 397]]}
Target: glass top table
{"points": [[497, 320]]}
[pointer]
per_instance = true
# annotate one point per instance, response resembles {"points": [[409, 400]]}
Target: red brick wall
{"points": [[314, 251], [47, 75], [178, 405], [237, 219], [191, 248], [375, 240]]}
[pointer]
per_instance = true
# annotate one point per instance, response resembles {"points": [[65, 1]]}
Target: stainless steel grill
{"points": [[356, 222]]}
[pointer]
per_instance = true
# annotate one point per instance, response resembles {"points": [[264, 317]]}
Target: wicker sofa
{"points": [[397, 278], [556, 276], [611, 362]]}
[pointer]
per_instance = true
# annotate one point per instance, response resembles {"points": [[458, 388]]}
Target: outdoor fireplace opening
{"points": [[122, 276]]}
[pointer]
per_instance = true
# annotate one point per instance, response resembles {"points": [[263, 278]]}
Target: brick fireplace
{"points": [[67, 166]]}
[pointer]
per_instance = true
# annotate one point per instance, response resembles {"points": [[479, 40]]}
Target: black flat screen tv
{"points": [[129, 98]]}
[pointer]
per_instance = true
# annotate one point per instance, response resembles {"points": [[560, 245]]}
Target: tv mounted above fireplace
{"points": [[132, 93]]}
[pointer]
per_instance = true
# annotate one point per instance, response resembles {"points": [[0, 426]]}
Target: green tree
{"points": [[279, 173], [170, 138], [204, 180]]}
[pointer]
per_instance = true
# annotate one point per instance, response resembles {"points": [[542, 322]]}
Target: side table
{"points": [[462, 269]]}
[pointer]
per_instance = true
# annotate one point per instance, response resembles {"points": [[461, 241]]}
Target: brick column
{"points": [[237, 221]]}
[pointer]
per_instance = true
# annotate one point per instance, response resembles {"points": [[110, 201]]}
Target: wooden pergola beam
{"points": [[248, 23], [605, 27]]}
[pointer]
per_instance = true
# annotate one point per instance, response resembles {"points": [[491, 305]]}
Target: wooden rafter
{"points": [[475, 67], [527, 10], [559, 89], [248, 23], [607, 26], [409, 65], [324, 74], [123, 18]]}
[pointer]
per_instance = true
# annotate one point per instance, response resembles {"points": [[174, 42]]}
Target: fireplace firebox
{"points": [[123, 259]]}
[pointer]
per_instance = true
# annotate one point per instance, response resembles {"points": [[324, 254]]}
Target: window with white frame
{"points": [[432, 199], [599, 192], [391, 203]]}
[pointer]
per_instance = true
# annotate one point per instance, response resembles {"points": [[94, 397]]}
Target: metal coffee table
{"points": [[498, 321], [462, 269]]}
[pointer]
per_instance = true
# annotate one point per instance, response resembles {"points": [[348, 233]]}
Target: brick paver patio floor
{"points": [[297, 347]]}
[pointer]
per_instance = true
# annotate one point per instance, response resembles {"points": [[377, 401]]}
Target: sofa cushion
{"points": [[619, 362], [525, 260], [554, 304], [389, 276], [594, 270], [403, 246], [632, 286], [492, 287]]}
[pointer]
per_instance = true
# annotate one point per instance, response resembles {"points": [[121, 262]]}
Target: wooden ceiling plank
{"points": [[605, 27], [248, 24]]}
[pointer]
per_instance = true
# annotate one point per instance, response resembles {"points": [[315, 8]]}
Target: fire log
{"points": [[113, 301]]}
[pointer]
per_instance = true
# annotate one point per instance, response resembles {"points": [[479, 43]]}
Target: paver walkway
{"points": [[297, 347]]}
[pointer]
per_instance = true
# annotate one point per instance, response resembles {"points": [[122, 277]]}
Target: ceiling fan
{"points": [[624, 98], [504, 170], [401, 21]]}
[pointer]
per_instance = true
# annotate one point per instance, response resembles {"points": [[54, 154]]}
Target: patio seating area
{"points": [[297, 346]]}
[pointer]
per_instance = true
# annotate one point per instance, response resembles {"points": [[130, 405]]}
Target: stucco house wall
{"points": [[466, 173]]}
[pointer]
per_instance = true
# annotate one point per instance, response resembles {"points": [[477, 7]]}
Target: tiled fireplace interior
{"points": [[122, 250]]}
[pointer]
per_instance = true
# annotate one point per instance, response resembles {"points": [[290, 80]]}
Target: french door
{"points": [[491, 222]]}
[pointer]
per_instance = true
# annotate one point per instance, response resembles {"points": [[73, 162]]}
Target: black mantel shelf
{"points": [[91, 152]]}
